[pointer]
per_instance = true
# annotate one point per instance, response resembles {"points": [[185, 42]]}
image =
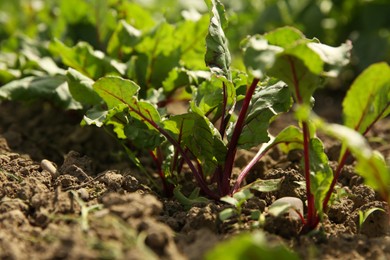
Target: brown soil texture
{"points": [[88, 202]]}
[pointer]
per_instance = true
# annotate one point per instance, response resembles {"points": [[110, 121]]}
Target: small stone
{"points": [[83, 194], [296, 205], [47, 165]]}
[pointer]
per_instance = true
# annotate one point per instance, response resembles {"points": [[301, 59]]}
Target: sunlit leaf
{"points": [[142, 127], [95, 116], [250, 246], [259, 55], [335, 58], [84, 59], [181, 77], [210, 95], [230, 200], [191, 35], [267, 103], [217, 55], [115, 90], [51, 88], [321, 175], [160, 53], [288, 55], [291, 205], [124, 38], [376, 173], [368, 99], [285, 37], [81, 89], [242, 196], [371, 165]]}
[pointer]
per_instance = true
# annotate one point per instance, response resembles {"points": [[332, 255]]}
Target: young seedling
{"points": [[191, 200], [240, 197], [237, 201], [84, 210], [363, 215]]}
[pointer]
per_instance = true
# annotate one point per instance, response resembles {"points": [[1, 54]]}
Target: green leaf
{"points": [[95, 116], [141, 136], [285, 37], [81, 89], [289, 139], [363, 215], [368, 99], [50, 88], [259, 55], [115, 90], [242, 196], [293, 71], [191, 35], [371, 165], [178, 77], [115, 117], [376, 173], [139, 17], [94, 64], [123, 39], [209, 95], [142, 127], [351, 138], [312, 53], [199, 136], [288, 55], [335, 58], [321, 175], [226, 214], [310, 59], [159, 54], [265, 185], [187, 201], [35, 54], [267, 102], [181, 77], [217, 56], [250, 246], [230, 200]]}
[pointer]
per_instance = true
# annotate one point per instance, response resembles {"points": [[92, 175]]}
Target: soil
{"points": [[86, 200]]}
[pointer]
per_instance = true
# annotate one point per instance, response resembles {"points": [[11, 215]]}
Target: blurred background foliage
{"points": [[24, 23]]}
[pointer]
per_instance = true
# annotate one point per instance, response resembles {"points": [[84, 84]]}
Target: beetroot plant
{"points": [[302, 64], [227, 109], [206, 137]]}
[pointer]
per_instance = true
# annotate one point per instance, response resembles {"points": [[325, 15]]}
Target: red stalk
{"points": [[246, 170], [232, 148], [312, 217], [312, 220], [168, 188]]}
